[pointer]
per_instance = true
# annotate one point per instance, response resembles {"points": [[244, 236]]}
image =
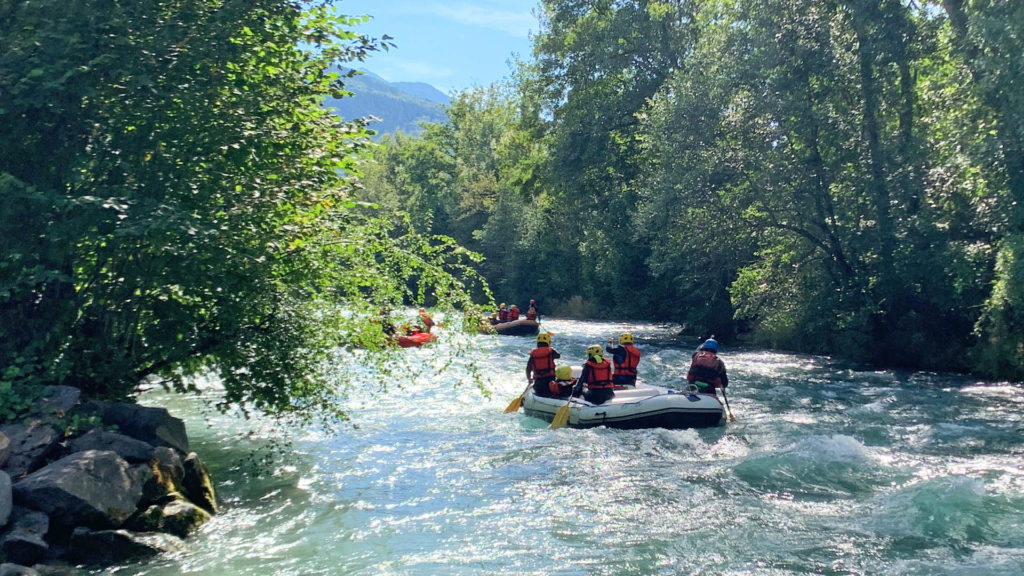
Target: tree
{"points": [[174, 198]]}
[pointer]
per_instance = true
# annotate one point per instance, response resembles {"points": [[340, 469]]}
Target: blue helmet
{"points": [[711, 345]]}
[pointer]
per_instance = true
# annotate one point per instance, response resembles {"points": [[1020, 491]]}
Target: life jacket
{"points": [[503, 315], [513, 314], [629, 363], [543, 362], [600, 375], [704, 368]]}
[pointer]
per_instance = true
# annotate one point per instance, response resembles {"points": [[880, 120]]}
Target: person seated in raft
{"points": [[531, 311], [707, 371], [502, 313], [540, 368], [513, 313], [597, 375], [493, 319], [426, 322], [625, 358], [386, 326], [563, 382]]}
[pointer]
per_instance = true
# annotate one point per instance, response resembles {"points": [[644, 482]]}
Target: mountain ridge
{"points": [[393, 106]]}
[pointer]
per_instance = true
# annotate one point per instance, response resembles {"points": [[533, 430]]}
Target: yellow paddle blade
{"points": [[561, 417], [514, 405]]}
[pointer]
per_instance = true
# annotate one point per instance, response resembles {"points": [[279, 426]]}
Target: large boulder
{"points": [[198, 484], [95, 488], [6, 498], [30, 445], [126, 447], [110, 546], [178, 516], [152, 425], [168, 474], [57, 401], [24, 543]]}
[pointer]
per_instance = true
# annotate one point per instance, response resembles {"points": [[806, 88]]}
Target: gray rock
{"points": [[179, 517], [168, 474], [92, 488], [6, 498], [30, 444], [9, 569], [151, 425], [24, 543], [5, 449], [116, 546], [126, 447], [198, 484], [57, 401]]}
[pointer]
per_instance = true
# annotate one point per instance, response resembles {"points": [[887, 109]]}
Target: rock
{"points": [[126, 447], [24, 543], [92, 488], [6, 499], [198, 484], [8, 569], [5, 449], [168, 474], [57, 401], [30, 444], [151, 425], [117, 546], [179, 517]]}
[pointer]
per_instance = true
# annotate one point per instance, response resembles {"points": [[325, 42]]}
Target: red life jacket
{"points": [[543, 362], [600, 375], [629, 363], [705, 368], [513, 314]]}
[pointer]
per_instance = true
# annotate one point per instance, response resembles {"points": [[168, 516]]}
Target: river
{"points": [[829, 469]]}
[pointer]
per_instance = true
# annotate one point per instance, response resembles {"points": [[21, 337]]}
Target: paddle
{"points": [[562, 416], [514, 405], [727, 409]]}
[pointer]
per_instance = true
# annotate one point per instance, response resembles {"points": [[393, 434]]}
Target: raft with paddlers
{"points": [[632, 407], [521, 327], [415, 339]]}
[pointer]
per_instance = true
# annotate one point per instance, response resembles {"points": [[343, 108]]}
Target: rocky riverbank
{"points": [[96, 483]]}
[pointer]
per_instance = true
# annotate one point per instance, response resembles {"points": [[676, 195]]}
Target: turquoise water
{"points": [[829, 470]]}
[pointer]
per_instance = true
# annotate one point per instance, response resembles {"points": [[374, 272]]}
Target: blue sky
{"points": [[452, 45]]}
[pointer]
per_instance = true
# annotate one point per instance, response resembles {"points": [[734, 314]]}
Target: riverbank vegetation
{"points": [[842, 177], [175, 199]]}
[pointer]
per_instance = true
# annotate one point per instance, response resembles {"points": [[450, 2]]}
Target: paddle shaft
{"points": [[727, 409]]}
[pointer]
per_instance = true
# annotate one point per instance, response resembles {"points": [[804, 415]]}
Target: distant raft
{"points": [[415, 340], [642, 406], [521, 327]]}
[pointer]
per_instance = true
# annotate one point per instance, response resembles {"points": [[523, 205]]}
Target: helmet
{"points": [[563, 373], [514, 307], [626, 338], [594, 350], [532, 301], [711, 345], [544, 338], [502, 305]]}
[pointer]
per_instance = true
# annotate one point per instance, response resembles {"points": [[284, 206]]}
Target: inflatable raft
{"points": [[642, 406], [520, 327], [415, 340]]}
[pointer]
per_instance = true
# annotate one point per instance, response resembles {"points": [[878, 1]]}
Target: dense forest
{"points": [[839, 176]]}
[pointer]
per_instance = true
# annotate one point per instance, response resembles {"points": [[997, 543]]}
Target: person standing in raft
{"points": [[540, 368], [707, 371], [531, 311], [597, 375], [625, 357], [425, 320]]}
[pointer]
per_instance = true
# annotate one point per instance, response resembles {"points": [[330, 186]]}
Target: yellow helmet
{"points": [[626, 338], [593, 350], [544, 338], [563, 373]]}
